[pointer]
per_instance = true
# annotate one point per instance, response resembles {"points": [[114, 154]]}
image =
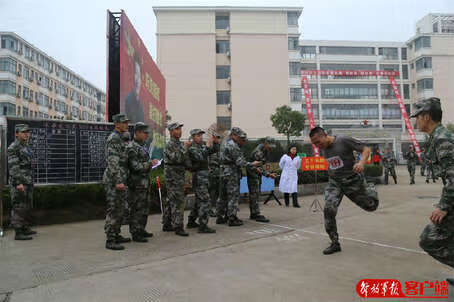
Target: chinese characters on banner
{"points": [[350, 72], [309, 111], [392, 288], [411, 132], [314, 164]]}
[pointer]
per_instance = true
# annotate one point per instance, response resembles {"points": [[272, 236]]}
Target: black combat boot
{"points": [[259, 218], [113, 245], [192, 224], [181, 232], [139, 238], [333, 248], [427, 181], [295, 200], [204, 229], [287, 199], [234, 221], [121, 239], [146, 234], [220, 220], [27, 231], [167, 228], [21, 236]]}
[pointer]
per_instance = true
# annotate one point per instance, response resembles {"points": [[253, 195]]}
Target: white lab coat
{"points": [[289, 176]]}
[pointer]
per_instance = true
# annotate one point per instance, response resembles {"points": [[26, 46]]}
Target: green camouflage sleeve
{"points": [[239, 158], [176, 154], [196, 154], [15, 172], [113, 150], [134, 164], [445, 155]]}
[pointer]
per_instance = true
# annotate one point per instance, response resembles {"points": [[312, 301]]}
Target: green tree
{"points": [[288, 122]]}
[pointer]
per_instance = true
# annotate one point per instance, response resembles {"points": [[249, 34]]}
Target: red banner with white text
{"points": [[309, 111]]}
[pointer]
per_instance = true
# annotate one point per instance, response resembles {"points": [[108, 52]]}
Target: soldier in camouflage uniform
{"points": [[437, 239], [21, 181], [232, 160], [198, 154], [345, 178], [261, 154], [215, 175], [115, 180], [389, 162], [411, 163], [139, 164], [430, 170], [175, 157], [126, 136], [423, 162]]}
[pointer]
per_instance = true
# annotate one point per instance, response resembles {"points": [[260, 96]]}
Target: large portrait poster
{"points": [[142, 86]]}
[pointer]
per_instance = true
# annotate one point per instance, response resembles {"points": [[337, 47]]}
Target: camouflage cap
{"points": [[174, 126], [141, 127], [22, 128], [425, 105], [270, 142], [196, 131], [120, 118], [237, 131]]}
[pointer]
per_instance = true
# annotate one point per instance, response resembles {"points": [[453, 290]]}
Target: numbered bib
{"points": [[335, 162]]}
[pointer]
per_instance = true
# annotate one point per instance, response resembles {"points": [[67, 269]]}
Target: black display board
{"points": [[65, 152]]}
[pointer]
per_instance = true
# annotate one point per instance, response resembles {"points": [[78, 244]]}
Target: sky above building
{"points": [[74, 32]]}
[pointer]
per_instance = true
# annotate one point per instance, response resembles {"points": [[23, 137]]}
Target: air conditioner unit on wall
{"points": [[228, 54], [229, 80]]}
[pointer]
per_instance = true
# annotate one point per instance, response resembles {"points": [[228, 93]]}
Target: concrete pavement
{"points": [[279, 261]]}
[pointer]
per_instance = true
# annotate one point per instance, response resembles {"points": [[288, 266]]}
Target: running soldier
{"points": [[389, 162], [175, 157], [411, 163], [198, 154], [345, 178], [21, 181], [115, 180], [232, 160], [437, 239]]}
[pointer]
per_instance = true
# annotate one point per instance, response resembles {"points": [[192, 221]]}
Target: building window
{"points": [[8, 87], [292, 19], [403, 53], [423, 63], [405, 71], [350, 51], [8, 64], [9, 42], [223, 97], [25, 112], [391, 112], [222, 46], [447, 26], [222, 22], [412, 66], [422, 42], [294, 68], [296, 95], [387, 91], [406, 91], [222, 71], [7, 109], [349, 111], [349, 91], [389, 53], [314, 110], [308, 52], [293, 43], [313, 88], [435, 27], [224, 122], [425, 84]]}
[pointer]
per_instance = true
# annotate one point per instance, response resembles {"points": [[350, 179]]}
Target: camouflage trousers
{"points": [[411, 169], [390, 170], [115, 211], [253, 183], [214, 188], [438, 240], [175, 202], [221, 202], [232, 191], [356, 189], [139, 209], [202, 204], [21, 204], [423, 168], [430, 173]]}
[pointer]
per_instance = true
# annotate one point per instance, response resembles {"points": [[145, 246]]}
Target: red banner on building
{"points": [[309, 110], [355, 73], [314, 164], [405, 116]]}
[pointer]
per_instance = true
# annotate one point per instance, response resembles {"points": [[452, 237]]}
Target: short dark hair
{"points": [[317, 130], [435, 113]]}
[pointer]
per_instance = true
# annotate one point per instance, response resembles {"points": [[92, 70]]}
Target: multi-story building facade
{"points": [[34, 85], [432, 61], [227, 65]]}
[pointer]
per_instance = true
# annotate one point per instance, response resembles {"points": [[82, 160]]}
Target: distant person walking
{"points": [[289, 164]]}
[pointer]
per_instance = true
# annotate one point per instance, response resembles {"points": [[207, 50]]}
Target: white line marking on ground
{"points": [[348, 238]]}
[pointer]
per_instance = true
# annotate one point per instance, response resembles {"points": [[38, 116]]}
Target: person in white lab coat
{"points": [[290, 163]]}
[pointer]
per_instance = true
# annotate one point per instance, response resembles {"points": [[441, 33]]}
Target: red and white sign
{"points": [[355, 73], [309, 110]]}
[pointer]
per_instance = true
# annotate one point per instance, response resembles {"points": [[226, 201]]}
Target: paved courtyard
{"points": [[279, 261]]}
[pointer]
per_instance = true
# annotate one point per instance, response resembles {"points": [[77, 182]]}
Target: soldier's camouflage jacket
{"points": [[116, 160], [20, 164], [139, 165]]}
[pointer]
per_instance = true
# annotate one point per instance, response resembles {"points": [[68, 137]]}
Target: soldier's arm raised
{"points": [[15, 173]]}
